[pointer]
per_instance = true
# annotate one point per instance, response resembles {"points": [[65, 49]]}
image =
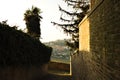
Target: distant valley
{"points": [[60, 52]]}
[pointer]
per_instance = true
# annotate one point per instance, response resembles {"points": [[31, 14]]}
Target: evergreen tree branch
{"points": [[66, 25], [74, 1], [80, 8], [72, 14], [66, 20]]}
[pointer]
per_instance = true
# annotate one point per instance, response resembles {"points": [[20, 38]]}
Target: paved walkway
{"points": [[50, 76]]}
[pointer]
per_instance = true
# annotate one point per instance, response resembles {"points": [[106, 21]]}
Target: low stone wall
{"points": [[59, 66]]}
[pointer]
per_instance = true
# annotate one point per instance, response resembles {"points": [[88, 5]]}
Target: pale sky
{"points": [[13, 11]]}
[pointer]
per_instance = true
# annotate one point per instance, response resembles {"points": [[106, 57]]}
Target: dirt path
{"points": [[56, 77]]}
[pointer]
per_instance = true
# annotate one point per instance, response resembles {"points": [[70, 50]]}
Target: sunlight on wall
{"points": [[84, 35]]}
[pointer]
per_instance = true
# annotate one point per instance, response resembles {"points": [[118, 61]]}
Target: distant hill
{"points": [[60, 52]]}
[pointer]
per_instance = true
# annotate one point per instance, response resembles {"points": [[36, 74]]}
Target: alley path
{"points": [[51, 76], [54, 73]]}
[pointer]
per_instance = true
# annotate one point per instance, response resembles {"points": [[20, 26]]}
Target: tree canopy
{"points": [[32, 18], [70, 26]]}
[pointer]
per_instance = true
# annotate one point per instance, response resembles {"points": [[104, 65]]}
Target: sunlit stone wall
{"points": [[99, 46], [84, 43]]}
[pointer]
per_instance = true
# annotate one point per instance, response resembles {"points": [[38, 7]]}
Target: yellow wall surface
{"points": [[84, 43]]}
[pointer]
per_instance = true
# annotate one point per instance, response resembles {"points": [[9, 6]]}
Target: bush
{"points": [[19, 49]]}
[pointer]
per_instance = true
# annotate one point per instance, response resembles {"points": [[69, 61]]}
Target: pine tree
{"points": [[70, 26], [32, 18]]}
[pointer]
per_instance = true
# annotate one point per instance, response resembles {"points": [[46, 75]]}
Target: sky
{"points": [[13, 11]]}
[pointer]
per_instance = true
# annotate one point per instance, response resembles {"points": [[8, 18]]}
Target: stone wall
{"points": [[105, 33], [84, 42], [99, 56], [58, 66]]}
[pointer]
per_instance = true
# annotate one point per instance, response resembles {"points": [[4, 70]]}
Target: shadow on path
{"points": [[51, 76]]}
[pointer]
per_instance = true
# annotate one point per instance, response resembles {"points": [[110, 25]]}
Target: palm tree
{"points": [[32, 19]]}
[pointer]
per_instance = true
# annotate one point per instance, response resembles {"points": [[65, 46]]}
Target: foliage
{"points": [[32, 18], [70, 26], [20, 49]]}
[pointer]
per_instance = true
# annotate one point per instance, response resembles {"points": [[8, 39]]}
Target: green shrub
{"points": [[19, 49]]}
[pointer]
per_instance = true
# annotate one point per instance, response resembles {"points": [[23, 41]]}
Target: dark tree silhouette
{"points": [[32, 18], [70, 26]]}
